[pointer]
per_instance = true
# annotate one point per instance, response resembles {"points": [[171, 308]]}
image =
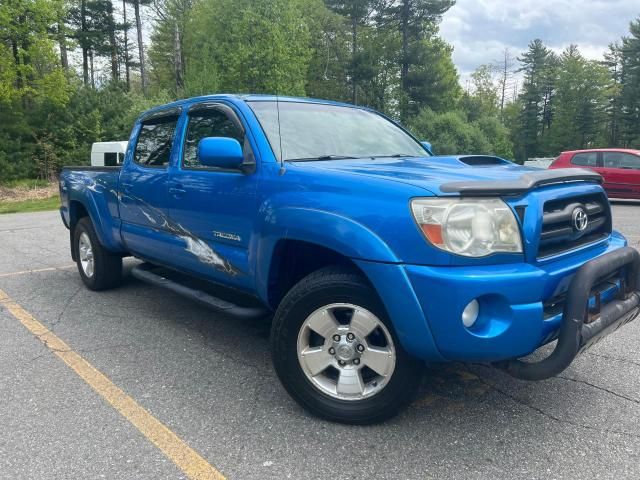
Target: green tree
{"points": [[137, 5], [93, 26], [483, 100], [579, 102], [416, 21], [451, 133], [630, 94], [357, 13], [539, 69], [29, 67], [432, 81], [166, 54], [330, 54], [247, 46], [613, 62]]}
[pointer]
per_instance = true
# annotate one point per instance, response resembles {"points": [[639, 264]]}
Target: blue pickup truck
{"points": [[370, 254]]}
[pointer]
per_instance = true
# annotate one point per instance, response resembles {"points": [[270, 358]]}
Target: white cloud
{"points": [[480, 30]]}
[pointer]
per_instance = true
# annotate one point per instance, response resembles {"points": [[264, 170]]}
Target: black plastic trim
{"points": [[144, 272], [576, 331], [161, 115], [526, 182]]}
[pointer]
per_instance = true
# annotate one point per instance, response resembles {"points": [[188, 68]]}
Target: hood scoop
{"points": [[482, 160]]}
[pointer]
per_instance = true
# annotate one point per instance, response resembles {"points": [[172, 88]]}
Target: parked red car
{"points": [[619, 167]]}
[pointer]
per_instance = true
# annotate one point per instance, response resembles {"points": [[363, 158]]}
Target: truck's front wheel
{"points": [[98, 268], [336, 353]]}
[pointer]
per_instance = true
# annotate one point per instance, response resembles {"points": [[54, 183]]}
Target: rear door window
{"points": [[621, 160], [588, 159], [155, 140]]}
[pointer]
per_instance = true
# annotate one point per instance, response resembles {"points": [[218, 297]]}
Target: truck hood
{"points": [[441, 174]]}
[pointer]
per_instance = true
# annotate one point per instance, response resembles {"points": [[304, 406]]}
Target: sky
{"points": [[480, 30]]}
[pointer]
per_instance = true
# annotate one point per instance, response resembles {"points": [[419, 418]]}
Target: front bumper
{"points": [[581, 324], [521, 305]]}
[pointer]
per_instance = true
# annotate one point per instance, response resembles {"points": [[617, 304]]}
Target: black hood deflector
{"points": [[526, 182]]}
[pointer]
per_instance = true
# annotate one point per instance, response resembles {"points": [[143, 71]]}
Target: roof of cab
{"points": [[252, 97]]}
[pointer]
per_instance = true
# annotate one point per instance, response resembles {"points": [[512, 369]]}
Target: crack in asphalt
{"points": [[551, 416], [35, 359], [68, 303], [598, 387], [617, 359], [80, 350]]}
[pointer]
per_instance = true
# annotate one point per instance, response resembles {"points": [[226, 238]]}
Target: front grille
{"points": [[561, 223]]}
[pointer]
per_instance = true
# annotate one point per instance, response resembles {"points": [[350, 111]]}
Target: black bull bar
{"points": [[578, 330]]}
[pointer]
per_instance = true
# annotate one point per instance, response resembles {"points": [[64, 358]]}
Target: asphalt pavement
{"points": [[208, 379]]}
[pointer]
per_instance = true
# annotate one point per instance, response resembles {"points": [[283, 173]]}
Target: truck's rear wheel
{"points": [[336, 353], [98, 268]]}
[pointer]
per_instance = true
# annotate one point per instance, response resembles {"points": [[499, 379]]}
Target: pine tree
{"points": [[137, 5], [416, 20], [630, 94], [125, 52], [613, 62], [357, 13], [538, 65], [579, 103], [166, 54]]}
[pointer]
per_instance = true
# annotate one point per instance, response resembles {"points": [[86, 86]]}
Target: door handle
{"points": [[126, 186]]}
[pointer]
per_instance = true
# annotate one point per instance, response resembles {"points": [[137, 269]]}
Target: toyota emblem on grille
{"points": [[580, 219]]}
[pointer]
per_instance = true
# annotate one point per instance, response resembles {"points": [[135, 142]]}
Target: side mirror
{"points": [[220, 152], [427, 146]]}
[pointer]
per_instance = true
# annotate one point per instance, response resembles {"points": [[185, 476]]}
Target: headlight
{"points": [[473, 227]]}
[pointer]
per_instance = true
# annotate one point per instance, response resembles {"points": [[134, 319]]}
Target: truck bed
{"points": [[79, 183]]}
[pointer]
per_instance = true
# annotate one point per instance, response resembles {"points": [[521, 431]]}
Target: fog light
{"points": [[470, 313]]}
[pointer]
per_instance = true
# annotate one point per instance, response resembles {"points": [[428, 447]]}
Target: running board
{"points": [[144, 273]]}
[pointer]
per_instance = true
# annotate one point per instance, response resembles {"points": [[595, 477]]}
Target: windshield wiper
{"points": [[323, 157], [395, 155]]}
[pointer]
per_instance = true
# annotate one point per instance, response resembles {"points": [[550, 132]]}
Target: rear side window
{"points": [[207, 123], [154, 142], [589, 159], [621, 160]]}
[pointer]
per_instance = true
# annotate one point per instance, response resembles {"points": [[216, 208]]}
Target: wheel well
{"points": [[293, 260], [76, 212]]}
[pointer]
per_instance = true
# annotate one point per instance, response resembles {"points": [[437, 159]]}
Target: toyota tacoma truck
{"points": [[370, 254]]}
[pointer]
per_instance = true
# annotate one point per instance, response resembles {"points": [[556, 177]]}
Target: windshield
{"points": [[312, 131]]}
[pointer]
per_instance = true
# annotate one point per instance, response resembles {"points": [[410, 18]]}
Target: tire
{"points": [[98, 268], [362, 398]]}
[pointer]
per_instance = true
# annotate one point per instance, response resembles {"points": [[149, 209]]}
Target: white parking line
{"points": [[48, 269]]}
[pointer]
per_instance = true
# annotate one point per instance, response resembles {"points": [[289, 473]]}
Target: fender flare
{"points": [[326, 229], [108, 233]]}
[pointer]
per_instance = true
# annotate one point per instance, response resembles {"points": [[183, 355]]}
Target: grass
{"points": [[32, 205], [28, 195], [25, 183]]}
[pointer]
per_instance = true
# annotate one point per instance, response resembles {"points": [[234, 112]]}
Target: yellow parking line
{"points": [[187, 459], [49, 269]]}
